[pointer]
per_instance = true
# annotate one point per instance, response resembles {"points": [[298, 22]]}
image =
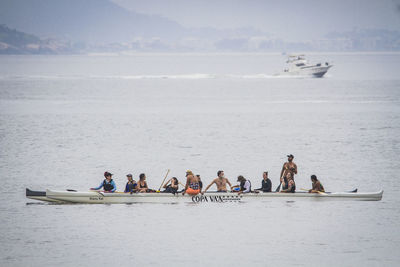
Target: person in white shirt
{"points": [[245, 185]]}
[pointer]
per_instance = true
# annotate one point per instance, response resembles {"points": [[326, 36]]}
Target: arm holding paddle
{"points": [[166, 184], [163, 180]]}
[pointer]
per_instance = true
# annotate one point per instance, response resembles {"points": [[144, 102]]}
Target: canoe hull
{"points": [[39, 195], [113, 198]]}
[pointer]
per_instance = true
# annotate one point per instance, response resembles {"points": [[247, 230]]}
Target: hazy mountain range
{"points": [[76, 26]]}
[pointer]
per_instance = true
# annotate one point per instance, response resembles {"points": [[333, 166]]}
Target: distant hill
{"points": [[100, 26], [16, 42], [90, 21]]}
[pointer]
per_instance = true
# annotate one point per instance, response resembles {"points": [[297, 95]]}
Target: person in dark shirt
{"points": [[108, 184], [171, 186], [131, 185], [200, 182], [266, 184]]}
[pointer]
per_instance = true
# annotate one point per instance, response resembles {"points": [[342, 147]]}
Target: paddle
{"points": [[279, 186], [158, 191], [277, 189], [319, 192]]}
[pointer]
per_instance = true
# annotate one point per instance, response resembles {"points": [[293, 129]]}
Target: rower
{"points": [[131, 185], [171, 186], [192, 186], [245, 185], [220, 182], [142, 185], [200, 182], [266, 184], [108, 184], [316, 185], [290, 186]]}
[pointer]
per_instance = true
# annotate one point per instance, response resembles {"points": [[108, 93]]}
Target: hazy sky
{"points": [[290, 19]]}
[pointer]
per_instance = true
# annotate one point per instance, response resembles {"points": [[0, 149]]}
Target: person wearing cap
{"points": [[108, 184], [220, 182], [266, 184], [245, 185], [288, 167], [192, 184], [316, 185], [131, 185]]}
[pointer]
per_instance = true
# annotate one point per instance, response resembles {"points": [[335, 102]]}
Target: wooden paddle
{"points": [[158, 191], [319, 192]]}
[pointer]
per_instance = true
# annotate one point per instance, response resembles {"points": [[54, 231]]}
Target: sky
{"points": [[288, 19]]}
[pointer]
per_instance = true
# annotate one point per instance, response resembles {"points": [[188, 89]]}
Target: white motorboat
{"points": [[299, 66], [96, 197]]}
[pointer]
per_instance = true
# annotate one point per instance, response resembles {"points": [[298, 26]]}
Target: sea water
{"points": [[65, 120]]}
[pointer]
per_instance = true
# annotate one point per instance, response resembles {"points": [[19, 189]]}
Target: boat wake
{"points": [[193, 76]]}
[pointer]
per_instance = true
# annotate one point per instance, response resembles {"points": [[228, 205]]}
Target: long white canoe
{"points": [[93, 197]]}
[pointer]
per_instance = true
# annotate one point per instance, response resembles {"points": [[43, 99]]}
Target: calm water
{"points": [[64, 120]]}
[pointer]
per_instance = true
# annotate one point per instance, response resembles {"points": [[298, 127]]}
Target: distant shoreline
{"points": [[129, 53]]}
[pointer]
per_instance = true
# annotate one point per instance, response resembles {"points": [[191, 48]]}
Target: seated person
{"points": [[171, 186], [108, 184], [200, 182], [266, 184], [290, 185], [316, 185], [142, 184], [245, 185], [192, 184], [220, 182], [131, 185]]}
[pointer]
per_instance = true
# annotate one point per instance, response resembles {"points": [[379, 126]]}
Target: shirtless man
{"points": [[288, 167], [221, 182], [192, 184]]}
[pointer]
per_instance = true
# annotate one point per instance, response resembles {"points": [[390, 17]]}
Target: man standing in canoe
{"points": [[288, 167], [192, 184], [221, 182], [316, 185], [108, 184]]}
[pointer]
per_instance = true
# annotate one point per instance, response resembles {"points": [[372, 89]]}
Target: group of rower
{"points": [[194, 184]]}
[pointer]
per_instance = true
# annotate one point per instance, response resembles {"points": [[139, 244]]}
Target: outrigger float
{"points": [[95, 197]]}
